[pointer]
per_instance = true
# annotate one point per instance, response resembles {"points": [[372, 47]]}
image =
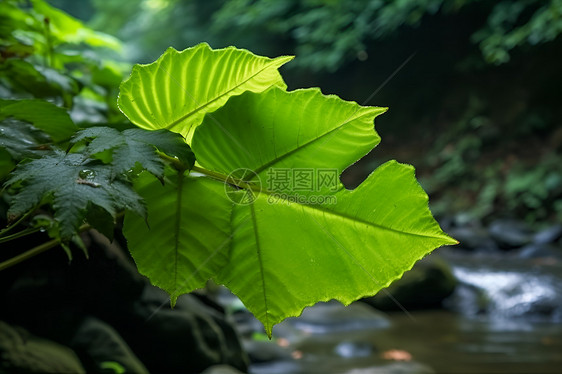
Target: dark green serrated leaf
{"points": [[134, 146], [73, 183], [168, 142], [67, 250], [22, 140], [45, 116], [102, 139], [77, 240]]}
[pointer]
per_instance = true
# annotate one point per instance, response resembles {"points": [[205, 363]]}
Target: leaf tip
{"points": [[268, 331], [382, 109], [452, 241], [286, 58]]}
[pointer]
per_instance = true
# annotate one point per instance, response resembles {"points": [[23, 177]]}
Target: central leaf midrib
{"points": [[333, 212], [193, 112], [291, 152], [260, 262], [355, 219]]}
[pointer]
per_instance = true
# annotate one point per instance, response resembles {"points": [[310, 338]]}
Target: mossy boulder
{"points": [[23, 352], [429, 282]]}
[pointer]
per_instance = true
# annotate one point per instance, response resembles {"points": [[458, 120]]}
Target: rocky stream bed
{"points": [[490, 305]]}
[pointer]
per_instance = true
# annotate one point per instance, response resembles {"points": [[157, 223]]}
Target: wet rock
{"points": [[510, 234], [395, 368], [425, 286], [351, 349], [97, 343], [265, 351], [540, 250], [468, 300], [277, 367], [22, 352], [221, 369], [190, 338], [108, 282], [246, 324], [549, 235], [464, 219], [105, 299], [333, 317]]}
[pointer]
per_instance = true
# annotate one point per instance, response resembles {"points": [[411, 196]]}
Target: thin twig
{"points": [[19, 234], [29, 254], [35, 251], [15, 224]]}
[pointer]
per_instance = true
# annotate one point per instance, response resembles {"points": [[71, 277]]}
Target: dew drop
{"points": [[87, 174]]}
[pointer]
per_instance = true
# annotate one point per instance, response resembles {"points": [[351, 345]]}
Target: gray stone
{"points": [[539, 250], [266, 351], [510, 234], [277, 367], [50, 298], [352, 349], [102, 344], [549, 235], [425, 286], [395, 368], [190, 338], [22, 352], [332, 317], [472, 238], [221, 369], [468, 300], [246, 324]]}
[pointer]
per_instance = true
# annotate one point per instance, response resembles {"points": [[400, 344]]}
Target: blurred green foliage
{"points": [[46, 54], [480, 100], [488, 168], [324, 34]]}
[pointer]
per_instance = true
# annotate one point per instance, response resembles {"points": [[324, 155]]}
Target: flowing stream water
{"points": [[505, 317]]}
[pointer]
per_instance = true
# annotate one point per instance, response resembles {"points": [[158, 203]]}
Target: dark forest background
{"points": [[474, 87]]}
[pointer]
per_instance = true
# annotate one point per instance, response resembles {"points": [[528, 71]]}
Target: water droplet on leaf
{"points": [[87, 174]]}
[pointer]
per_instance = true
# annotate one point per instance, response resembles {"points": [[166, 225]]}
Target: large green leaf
{"points": [[286, 255], [179, 88], [279, 130], [283, 253], [45, 116], [187, 237]]}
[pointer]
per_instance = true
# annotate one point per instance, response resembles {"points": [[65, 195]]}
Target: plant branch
{"points": [[19, 234], [227, 179], [29, 254], [35, 251], [15, 224], [180, 166], [174, 161]]}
